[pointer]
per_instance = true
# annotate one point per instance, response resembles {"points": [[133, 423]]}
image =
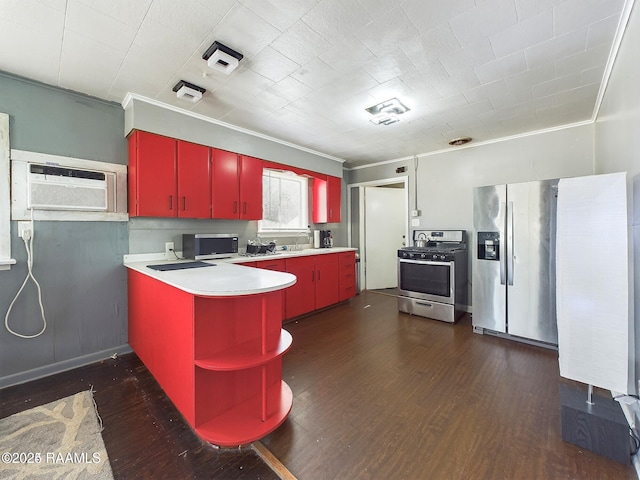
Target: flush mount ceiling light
{"points": [[188, 91], [386, 113], [222, 58], [391, 106], [459, 141], [384, 119]]}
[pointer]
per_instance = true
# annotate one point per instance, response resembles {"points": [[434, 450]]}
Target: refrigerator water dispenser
{"points": [[488, 245]]}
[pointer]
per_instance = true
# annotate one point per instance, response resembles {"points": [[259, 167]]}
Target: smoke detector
{"points": [[459, 141]]}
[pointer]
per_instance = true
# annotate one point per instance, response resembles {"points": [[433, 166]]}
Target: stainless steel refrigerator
{"points": [[514, 261]]}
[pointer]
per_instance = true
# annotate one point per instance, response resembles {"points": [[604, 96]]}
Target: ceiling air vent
{"points": [[459, 141]]}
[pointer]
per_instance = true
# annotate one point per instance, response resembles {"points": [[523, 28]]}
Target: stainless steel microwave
{"points": [[203, 246]]}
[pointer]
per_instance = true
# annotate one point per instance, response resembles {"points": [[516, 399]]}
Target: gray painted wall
{"points": [[445, 181], [145, 116], [78, 264], [617, 148]]}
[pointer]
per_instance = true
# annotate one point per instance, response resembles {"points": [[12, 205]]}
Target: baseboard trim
{"points": [[63, 366]]}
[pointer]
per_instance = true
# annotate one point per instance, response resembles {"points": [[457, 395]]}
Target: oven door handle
{"points": [[424, 262]]}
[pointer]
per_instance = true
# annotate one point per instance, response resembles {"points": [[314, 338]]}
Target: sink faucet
{"points": [[298, 236]]}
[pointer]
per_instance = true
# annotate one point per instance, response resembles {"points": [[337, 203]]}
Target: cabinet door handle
{"points": [[170, 202], [313, 276], [244, 207], [235, 207], [184, 203], [318, 275]]}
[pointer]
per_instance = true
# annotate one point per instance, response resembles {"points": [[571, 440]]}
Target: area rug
{"points": [[59, 440]]}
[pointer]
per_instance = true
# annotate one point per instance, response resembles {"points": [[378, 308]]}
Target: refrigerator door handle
{"points": [[510, 243], [501, 251]]}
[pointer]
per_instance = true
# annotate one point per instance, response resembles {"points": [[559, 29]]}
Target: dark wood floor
{"points": [[377, 394], [380, 394], [145, 436]]}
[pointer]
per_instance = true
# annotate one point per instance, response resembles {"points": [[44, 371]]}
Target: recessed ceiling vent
{"points": [[459, 141]]}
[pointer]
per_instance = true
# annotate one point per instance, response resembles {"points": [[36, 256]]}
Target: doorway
{"points": [[378, 227]]}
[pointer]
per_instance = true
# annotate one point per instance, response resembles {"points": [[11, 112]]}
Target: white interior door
{"points": [[384, 219]]}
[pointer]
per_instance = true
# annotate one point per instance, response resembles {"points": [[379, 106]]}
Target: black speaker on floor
{"points": [[601, 427]]}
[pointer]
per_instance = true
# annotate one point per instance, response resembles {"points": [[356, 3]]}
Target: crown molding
{"points": [[134, 96]]}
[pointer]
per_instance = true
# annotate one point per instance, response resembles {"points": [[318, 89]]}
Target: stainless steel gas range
{"points": [[432, 275]]}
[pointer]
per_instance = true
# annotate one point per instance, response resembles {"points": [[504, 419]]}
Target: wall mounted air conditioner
{"points": [[65, 188]]}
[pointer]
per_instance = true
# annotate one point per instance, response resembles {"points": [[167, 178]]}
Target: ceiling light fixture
{"points": [[391, 106], [222, 58], [384, 119], [459, 141], [188, 91], [386, 113]]}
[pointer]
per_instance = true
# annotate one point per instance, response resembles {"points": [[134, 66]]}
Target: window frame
{"points": [[5, 198], [304, 209]]}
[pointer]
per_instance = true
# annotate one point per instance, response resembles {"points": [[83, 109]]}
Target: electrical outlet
{"points": [[168, 247], [25, 228]]}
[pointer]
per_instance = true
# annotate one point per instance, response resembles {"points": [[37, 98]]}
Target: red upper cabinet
{"points": [[168, 177], [194, 186], [225, 184], [250, 188], [327, 193], [236, 184], [334, 199], [152, 175]]}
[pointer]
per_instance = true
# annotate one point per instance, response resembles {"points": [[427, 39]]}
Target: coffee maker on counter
{"points": [[322, 239]]}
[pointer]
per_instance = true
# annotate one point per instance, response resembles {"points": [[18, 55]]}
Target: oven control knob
{"points": [[435, 257], [422, 255], [441, 257]]}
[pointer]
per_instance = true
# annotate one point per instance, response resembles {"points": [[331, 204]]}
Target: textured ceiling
{"points": [[480, 68]]}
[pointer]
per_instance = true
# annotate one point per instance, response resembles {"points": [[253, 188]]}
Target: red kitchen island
{"points": [[212, 337]]}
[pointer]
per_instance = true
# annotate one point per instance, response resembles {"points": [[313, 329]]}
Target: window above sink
{"points": [[285, 203]]}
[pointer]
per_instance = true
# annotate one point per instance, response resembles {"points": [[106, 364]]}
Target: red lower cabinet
{"points": [[219, 359], [300, 298], [327, 289], [317, 285], [347, 275]]}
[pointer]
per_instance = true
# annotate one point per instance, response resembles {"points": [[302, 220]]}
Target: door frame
{"points": [[360, 186]]}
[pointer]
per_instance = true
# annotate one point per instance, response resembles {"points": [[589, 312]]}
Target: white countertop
{"points": [[224, 279], [220, 280], [288, 254]]}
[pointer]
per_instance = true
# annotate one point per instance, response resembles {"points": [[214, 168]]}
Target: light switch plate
{"points": [[415, 222]]}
